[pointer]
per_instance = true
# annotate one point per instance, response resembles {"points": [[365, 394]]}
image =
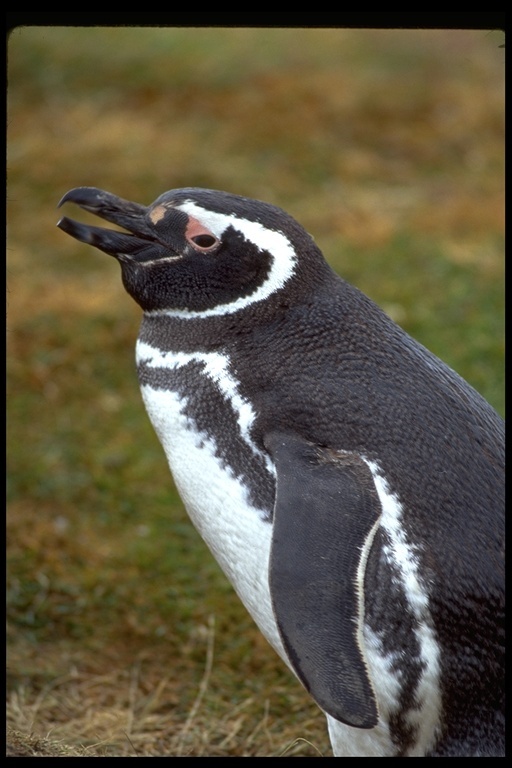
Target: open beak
{"points": [[139, 243]]}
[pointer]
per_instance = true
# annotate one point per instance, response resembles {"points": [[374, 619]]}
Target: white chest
{"points": [[237, 533]]}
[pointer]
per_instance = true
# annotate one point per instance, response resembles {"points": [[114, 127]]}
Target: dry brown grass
{"points": [[133, 711]]}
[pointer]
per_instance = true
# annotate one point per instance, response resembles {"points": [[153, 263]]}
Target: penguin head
{"points": [[198, 251]]}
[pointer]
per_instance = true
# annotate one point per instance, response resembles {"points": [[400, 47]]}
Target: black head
{"points": [[198, 251]]}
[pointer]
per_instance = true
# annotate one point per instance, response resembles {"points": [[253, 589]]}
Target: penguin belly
{"points": [[237, 533]]}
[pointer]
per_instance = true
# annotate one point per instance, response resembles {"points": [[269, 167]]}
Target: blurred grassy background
{"points": [[388, 146]]}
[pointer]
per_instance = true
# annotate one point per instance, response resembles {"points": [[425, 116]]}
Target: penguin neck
{"points": [[171, 332]]}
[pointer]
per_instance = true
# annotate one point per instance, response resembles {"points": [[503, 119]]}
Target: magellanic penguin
{"points": [[349, 483]]}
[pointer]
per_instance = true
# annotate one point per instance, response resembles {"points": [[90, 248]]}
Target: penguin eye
{"points": [[204, 241], [199, 236]]}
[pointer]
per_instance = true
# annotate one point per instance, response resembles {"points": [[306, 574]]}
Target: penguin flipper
{"points": [[325, 516]]}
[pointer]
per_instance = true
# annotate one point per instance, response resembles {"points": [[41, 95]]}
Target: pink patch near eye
{"points": [[205, 238]]}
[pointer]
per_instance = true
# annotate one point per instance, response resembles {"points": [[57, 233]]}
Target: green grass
{"points": [[388, 146]]}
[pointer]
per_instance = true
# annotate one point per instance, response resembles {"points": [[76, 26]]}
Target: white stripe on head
{"points": [[282, 267]]}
